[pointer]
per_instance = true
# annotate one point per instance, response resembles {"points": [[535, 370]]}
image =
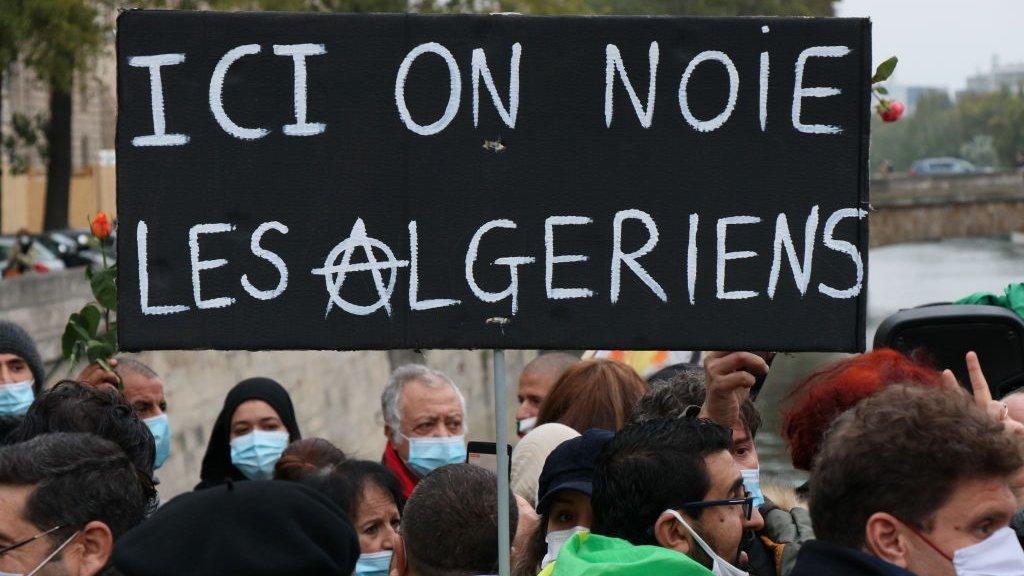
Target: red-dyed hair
{"points": [[829, 392]]}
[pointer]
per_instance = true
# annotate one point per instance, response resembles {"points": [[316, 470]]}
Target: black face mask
{"points": [[759, 559]]}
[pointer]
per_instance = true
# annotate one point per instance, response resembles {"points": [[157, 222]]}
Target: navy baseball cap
{"points": [[571, 467]]}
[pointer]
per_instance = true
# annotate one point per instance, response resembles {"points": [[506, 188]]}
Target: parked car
{"points": [[65, 247], [73, 246], [42, 258], [941, 166]]}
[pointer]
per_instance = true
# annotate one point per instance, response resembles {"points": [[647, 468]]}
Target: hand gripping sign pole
{"points": [[501, 439]]}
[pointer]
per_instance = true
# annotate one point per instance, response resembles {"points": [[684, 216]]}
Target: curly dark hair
{"points": [[76, 407]]}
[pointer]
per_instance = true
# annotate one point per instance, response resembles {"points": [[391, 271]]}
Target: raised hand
{"points": [[730, 376]]}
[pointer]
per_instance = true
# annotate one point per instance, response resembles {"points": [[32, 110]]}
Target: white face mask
{"points": [[556, 540], [719, 566], [998, 555], [525, 425], [45, 560]]}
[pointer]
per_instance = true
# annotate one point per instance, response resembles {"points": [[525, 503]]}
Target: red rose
{"points": [[890, 110], [101, 226]]}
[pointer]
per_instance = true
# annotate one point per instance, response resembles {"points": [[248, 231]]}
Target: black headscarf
{"points": [[268, 528], [217, 466]]}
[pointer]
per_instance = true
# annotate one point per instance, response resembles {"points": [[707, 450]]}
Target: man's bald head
{"points": [[551, 365], [1015, 403], [536, 381], [127, 365], [143, 388]]}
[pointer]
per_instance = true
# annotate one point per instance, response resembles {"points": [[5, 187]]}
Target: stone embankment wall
{"points": [[918, 209]]}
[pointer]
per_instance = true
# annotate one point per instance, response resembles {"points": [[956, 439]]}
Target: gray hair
{"points": [[133, 366], [390, 399]]}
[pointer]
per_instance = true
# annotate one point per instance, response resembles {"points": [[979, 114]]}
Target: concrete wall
{"points": [[897, 224], [917, 209], [336, 394]]}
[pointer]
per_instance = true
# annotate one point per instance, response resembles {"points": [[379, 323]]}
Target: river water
{"points": [[901, 276]]}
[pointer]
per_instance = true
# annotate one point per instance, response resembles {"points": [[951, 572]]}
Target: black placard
{"points": [[250, 145]]}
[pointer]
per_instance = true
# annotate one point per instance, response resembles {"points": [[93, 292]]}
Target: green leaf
{"points": [[884, 70], [104, 287], [111, 337], [99, 352], [89, 319], [882, 90], [76, 351], [76, 323], [68, 340]]}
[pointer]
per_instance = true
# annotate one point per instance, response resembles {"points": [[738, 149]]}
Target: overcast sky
{"points": [[941, 42]]}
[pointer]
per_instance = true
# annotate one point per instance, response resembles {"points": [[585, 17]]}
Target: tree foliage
{"points": [[716, 7], [987, 129], [61, 38], [64, 37], [13, 28], [675, 7]]}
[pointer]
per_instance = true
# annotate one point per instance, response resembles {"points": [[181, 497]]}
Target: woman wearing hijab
{"points": [[255, 425]]}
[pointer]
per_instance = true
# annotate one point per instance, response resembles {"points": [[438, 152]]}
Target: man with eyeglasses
{"points": [[668, 499], [64, 500]]}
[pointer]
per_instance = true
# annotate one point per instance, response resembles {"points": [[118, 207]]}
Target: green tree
{"points": [[64, 37], [986, 128], [677, 7], [12, 32], [281, 5], [933, 130], [716, 7], [999, 115]]}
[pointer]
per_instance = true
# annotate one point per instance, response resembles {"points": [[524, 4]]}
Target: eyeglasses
{"points": [[16, 545], [747, 503]]}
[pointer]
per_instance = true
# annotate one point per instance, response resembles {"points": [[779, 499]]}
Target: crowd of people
{"points": [[910, 473]]}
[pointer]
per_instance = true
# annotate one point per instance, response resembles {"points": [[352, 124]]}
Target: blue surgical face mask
{"points": [[752, 482], [16, 398], [375, 564], [429, 453], [256, 453], [161, 429]]}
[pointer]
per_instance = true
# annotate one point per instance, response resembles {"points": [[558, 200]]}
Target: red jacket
{"points": [[407, 479]]}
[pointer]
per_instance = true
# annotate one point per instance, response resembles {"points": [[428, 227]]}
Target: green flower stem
{"points": [[106, 311]]}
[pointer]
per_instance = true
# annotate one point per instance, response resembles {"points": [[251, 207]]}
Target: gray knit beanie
{"points": [[14, 340]]}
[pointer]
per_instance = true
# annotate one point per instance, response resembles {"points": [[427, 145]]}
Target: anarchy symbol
{"points": [[334, 272]]}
